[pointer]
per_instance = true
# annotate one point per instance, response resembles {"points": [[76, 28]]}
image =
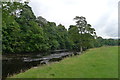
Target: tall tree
{"points": [[62, 36], [74, 37], [85, 31], [10, 29]]}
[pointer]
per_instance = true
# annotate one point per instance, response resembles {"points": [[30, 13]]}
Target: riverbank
{"points": [[95, 63], [27, 61]]}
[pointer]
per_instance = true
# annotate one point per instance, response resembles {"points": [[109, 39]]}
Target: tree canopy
{"points": [[23, 32]]}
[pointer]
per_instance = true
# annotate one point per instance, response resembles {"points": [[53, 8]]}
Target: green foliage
{"points": [[86, 33], [22, 32], [106, 42], [74, 37], [10, 32], [63, 37], [118, 42]]}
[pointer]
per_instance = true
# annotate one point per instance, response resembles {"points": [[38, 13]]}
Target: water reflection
{"points": [[13, 64]]}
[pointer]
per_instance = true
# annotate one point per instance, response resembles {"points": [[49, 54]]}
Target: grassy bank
{"points": [[94, 63]]}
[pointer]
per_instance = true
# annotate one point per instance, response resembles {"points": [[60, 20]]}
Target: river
{"points": [[16, 63]]}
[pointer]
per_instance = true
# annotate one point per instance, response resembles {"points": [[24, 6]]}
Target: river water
{"points": [[13, 64]]}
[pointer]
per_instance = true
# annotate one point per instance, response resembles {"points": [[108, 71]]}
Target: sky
{"points": [[101, 14]]}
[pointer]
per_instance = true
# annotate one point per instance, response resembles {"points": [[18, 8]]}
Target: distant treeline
{"points": [[107, 42], [23, 32]]}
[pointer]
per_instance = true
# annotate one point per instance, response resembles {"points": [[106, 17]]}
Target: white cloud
{"points": [[99, 13]]}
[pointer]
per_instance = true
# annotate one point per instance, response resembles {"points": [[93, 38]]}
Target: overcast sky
{"points": [[101, 14]]}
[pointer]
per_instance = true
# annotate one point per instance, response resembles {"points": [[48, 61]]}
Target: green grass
{"points": [[94, 63]]}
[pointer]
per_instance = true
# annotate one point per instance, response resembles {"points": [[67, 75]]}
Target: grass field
{"points": [[94, 63]]}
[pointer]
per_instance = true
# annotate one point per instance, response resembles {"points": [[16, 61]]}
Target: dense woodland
{"points": [[23, 32]]}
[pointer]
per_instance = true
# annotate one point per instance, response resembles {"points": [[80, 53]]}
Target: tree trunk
{"points": [[81, 49]]}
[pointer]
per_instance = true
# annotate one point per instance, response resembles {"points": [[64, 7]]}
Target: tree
{"points": [[74, 37], [10, 28], [118, 42], [21, 32], [85, 30], [62, 37]]}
